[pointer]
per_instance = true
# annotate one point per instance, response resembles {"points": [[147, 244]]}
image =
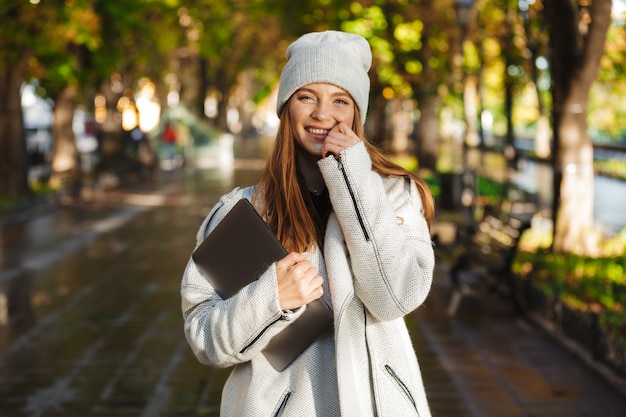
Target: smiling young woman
{"points": [[357, 229]]}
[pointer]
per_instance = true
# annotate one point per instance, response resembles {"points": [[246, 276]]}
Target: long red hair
{"points": [[279, 194]]}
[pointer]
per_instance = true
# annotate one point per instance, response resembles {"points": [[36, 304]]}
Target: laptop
{"points": [[236, 253]]}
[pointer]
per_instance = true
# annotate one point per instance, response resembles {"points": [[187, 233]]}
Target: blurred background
{"points": [[90, 89], [490, 101]]}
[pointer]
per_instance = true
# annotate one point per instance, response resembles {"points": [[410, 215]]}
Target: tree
{"points": [[232, 39], [139, 39], [426, 68], [13, 157], [607, 107], [536, 41], [412, 59], [57, 44], [501, 31], [18, 42], [577, 37], [61, 60]]}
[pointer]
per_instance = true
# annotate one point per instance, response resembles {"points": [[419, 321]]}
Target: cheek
{"points": [[297, 137], [346, 117]]}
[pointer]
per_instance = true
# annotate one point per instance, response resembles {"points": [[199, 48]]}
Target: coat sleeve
{"points": [[389, 246], [222, 332]]}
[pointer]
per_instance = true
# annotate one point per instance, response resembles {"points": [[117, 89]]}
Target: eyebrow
{"points": [[339, 93]]}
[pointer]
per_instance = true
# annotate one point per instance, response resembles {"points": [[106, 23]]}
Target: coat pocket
{"points": [[399, 383]]}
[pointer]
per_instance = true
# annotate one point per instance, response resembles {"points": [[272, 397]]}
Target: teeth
{"points": [[319, 131]]}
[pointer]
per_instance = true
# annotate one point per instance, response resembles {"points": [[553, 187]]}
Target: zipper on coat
{"points": [[402, 386], [356, 207], [282, 405], [258, 336]]}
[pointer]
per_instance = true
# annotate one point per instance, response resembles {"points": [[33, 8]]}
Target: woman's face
{"points": [[314, 110]]}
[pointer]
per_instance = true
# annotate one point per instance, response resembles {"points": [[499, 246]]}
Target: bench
{"points": [[484, 264]]}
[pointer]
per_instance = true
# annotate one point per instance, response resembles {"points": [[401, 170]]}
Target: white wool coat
{"points": [[377, 265]]}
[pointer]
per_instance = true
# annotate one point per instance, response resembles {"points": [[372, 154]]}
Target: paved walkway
{"points": [[90, 322], [501, 365]]}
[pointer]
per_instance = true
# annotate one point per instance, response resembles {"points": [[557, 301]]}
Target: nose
{"points": [[321, 112]]}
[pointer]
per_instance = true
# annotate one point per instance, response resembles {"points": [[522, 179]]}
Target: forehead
{"points": [[324, 88]]}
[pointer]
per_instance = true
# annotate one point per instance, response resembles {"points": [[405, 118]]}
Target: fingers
{"points": [[339, 138], [298, 281], [291, 259], [344, 129]]}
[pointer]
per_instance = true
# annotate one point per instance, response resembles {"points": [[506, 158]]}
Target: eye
{"points": [[305, 97], [342, 101]]}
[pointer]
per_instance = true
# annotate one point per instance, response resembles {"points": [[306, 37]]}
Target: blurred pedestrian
{"points": [[169, 144], [357, 229]]}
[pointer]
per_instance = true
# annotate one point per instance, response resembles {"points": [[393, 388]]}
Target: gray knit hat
{"points": [[332, 57]]}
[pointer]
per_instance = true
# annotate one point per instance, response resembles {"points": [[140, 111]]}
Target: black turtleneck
{"points": [[323, 207]]}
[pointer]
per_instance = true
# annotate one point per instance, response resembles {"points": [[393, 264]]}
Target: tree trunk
{"points": [[65, 160], [470, 105], [574, 225], [399, 125], [577, 50], [542, 137], [510, 153], [204, 85], [375, 129], [13, 155], [222, 111], [428, 133]]}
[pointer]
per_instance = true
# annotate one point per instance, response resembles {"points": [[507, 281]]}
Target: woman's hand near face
{"points": [[339, 138], [298, 281]]}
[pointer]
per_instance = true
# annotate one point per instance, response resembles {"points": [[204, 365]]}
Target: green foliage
{"points": [[80, 42], [407, 162], [411, 44], [492, 190], [613, 168], [408, 35], [410, 163], [434, 183], [584, 283], [7, 203], [39, 189], [42, 188], [415, 47], [607, 108]]}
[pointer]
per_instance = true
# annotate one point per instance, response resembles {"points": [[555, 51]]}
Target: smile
{"points": [[318, 131]]}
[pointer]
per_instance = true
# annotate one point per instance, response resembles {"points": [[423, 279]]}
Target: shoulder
{"points": [[219, 211], [401, 188]]}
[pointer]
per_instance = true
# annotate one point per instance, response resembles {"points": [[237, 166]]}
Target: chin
{"points": [[316, 150]]}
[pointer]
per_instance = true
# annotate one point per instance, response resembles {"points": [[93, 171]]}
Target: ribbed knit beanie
{"points": [[338, 58]]}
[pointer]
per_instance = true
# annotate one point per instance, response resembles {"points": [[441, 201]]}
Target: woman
{"points": [[357, 229]]}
